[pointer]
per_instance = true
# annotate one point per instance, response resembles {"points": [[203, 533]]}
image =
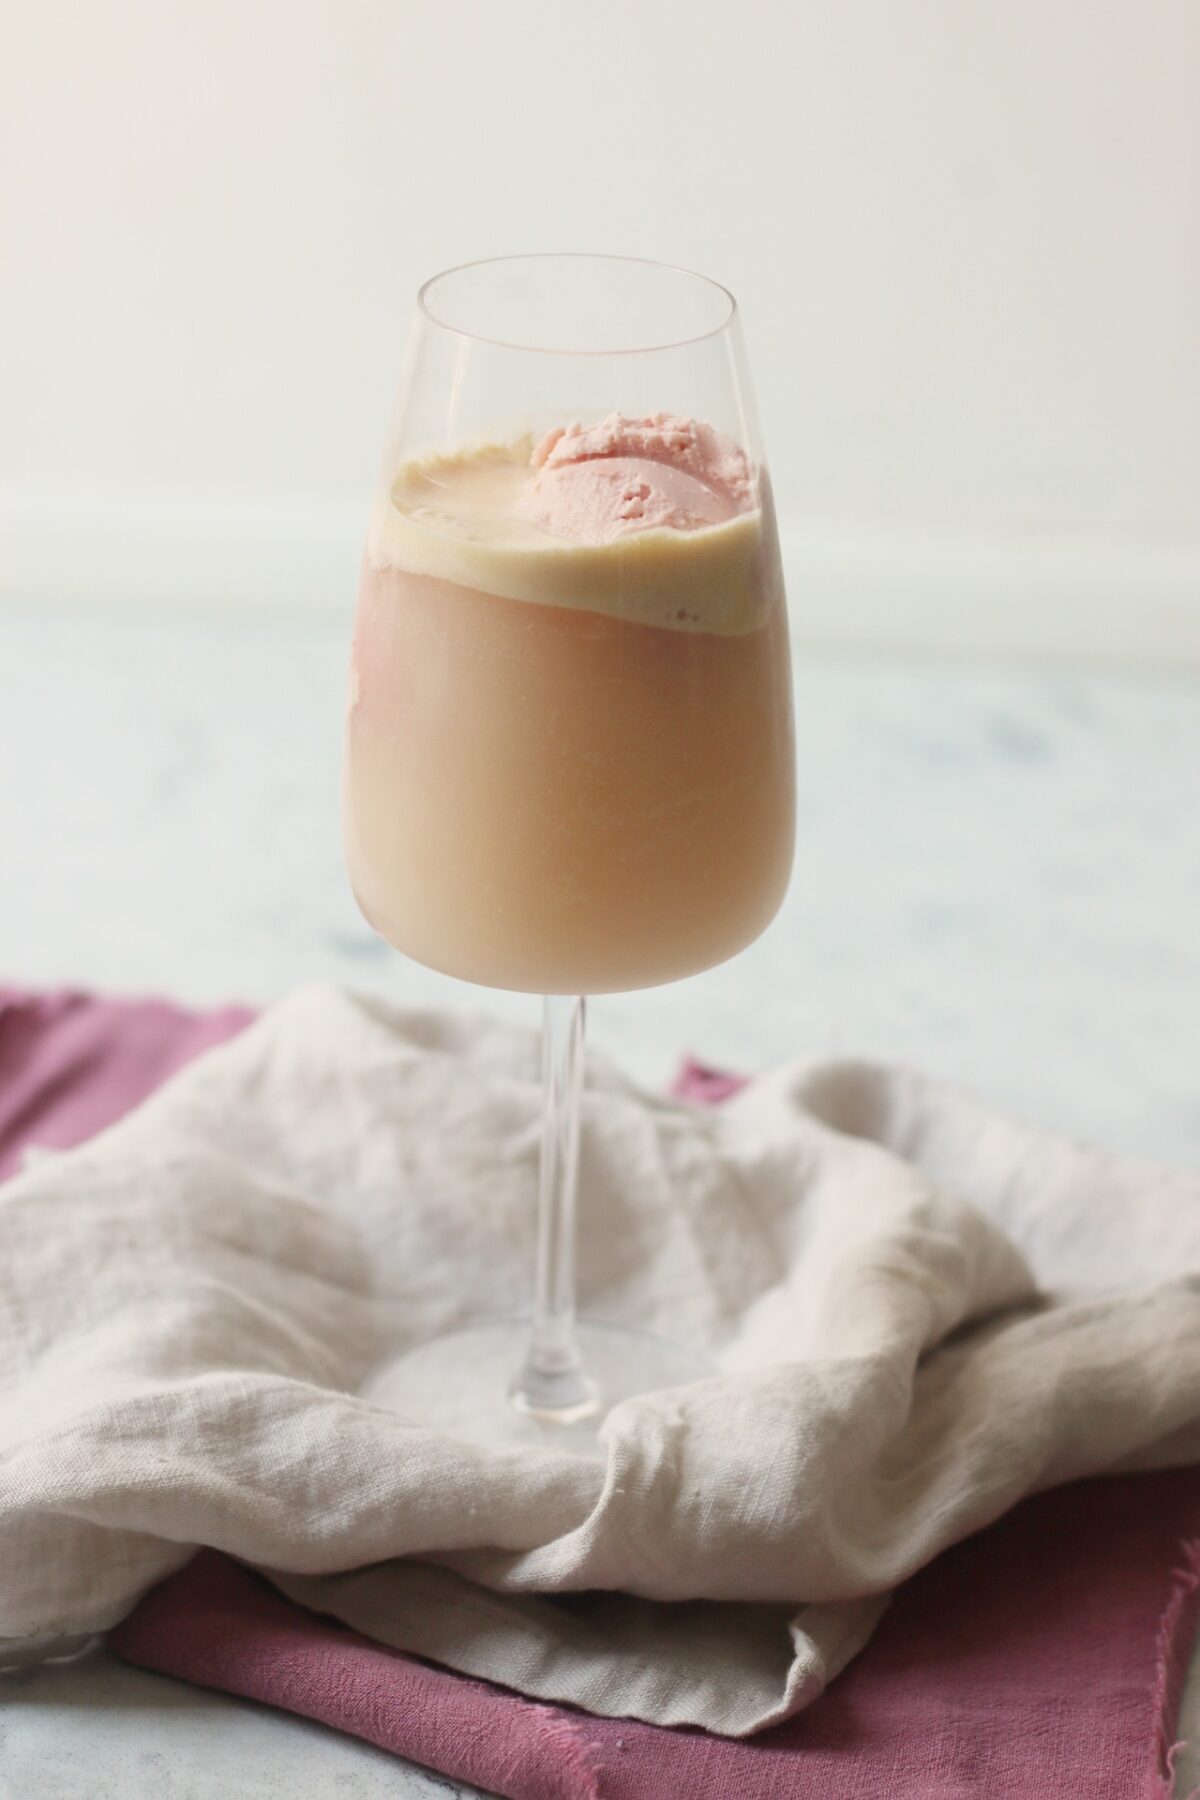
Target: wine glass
{"points": [[570, 766]]}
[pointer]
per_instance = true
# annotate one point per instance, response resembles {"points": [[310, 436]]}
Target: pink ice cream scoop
{"points": [[595, 483]]}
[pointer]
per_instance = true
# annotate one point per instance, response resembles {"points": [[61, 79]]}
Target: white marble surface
{"points": [[997, 878], [96, 1729]]}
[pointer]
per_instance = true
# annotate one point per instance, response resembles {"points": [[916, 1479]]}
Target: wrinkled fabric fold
{"points": [[1040, 1660], [920, 1311]]}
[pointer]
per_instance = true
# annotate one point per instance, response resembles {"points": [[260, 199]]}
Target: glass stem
{"points": [[552, 1383]]}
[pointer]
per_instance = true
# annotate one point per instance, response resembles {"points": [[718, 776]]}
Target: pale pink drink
{"points": [[569, 761], [570, 768]]}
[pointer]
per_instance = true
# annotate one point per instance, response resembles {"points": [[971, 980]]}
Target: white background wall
{"points": [[965, 233]]}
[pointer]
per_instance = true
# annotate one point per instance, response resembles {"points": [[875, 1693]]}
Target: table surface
{"points": [[996, 878]]}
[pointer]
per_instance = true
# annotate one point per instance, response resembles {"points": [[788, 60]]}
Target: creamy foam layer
{"points": [[460, 516]]}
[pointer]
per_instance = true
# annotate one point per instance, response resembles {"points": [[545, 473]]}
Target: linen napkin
{"points": [[966, 1687], [921, 1311]]}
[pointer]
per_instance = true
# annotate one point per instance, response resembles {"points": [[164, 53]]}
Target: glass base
{"points": [[468, 1383]]}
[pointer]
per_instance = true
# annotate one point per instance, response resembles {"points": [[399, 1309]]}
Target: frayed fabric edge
{"points": [[579, 1757], [1173, 1650]]}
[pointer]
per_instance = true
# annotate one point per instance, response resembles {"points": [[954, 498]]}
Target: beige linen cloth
{"points": [[920, 1311]]}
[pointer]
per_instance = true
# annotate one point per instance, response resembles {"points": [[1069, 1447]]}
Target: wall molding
{"points": [[1127, 600]]}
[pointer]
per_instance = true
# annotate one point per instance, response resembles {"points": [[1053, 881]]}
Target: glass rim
{"points": [[426, 310]]}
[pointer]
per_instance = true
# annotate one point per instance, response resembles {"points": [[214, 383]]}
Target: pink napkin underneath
{"points": [[1037, 1659], [1042, 1658], [71, 1064]]}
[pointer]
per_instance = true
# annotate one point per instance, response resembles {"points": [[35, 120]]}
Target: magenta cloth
{"points": [[1044, 1657], [706, 1086], [71, 1064], [1036, 1661]]}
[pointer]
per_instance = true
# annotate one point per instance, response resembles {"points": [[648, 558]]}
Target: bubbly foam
{"points": [[457, 516]]}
